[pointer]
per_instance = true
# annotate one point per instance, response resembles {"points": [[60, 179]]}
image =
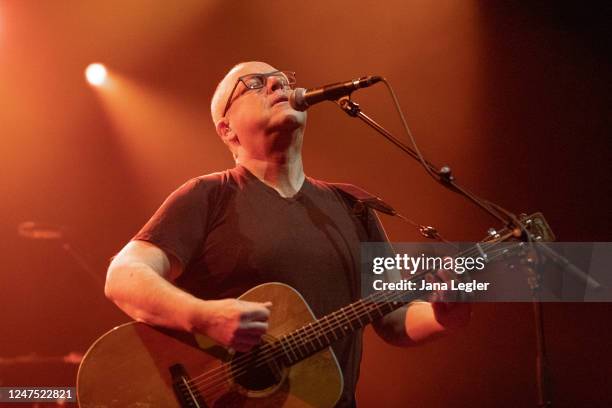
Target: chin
{"points": [[291, 120]]}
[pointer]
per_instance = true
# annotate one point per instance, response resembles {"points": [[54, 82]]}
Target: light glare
{"points": [[95, 74]]}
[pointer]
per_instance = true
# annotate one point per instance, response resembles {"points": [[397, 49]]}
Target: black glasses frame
{"points": [[264, 77]]}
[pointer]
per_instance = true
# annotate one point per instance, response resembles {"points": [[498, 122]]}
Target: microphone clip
{"points": [[349, 106]]}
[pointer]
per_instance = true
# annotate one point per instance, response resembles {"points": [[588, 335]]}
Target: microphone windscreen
{"points": [[297, 99]]}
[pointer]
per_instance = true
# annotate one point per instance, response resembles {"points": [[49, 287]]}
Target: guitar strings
{"points": [[208, 385], [309, 333], [310, 336], [290, 340], [237, 369], [218, 381]]}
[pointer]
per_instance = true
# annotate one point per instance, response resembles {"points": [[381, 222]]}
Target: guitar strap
{"points": [[360, 201]]}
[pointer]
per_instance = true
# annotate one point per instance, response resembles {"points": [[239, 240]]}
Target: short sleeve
{"points": [[178, 227]]}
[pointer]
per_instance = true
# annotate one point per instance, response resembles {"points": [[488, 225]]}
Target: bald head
{"points": [[224, 87]]}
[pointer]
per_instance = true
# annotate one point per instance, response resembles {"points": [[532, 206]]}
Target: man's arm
{"points": [[421, 321], [138, 281]]}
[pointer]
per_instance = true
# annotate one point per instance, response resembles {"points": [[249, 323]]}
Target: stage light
{"points": [[96, 74]]}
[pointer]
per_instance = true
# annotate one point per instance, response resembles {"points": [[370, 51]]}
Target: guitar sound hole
{"points": [[254, 372]]}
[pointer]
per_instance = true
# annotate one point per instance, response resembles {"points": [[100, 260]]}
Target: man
{"points": [[220, 234]]}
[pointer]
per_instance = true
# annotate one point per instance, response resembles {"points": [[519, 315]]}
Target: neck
{"points": [[282, 173]]}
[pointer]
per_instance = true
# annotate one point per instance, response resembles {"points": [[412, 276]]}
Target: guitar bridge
{"points": [[187, 395]]}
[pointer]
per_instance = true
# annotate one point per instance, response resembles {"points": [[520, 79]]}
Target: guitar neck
{"points": [[321, 333]]}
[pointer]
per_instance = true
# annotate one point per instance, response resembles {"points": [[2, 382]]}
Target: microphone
{"points": [[301, 99], [33, 230]]}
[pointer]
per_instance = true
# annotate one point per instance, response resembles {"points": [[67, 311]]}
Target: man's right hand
{"points": [[234, 323]]}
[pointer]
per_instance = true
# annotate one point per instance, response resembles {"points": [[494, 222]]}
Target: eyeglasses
{"points": [[258, 81]]}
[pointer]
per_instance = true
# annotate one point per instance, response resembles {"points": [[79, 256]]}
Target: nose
{"points": [[274, 83]]}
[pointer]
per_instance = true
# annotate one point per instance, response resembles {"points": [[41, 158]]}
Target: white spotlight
{"points": [[96, 74]]}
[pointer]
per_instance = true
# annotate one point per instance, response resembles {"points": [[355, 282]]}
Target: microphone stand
{"points": [[444, 176], [543, 378]]}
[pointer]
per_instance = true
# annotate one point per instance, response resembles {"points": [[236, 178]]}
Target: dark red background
{"points": [[515, 97]]}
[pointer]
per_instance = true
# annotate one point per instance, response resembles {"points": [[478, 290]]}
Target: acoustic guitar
{"points": [[138, 365]]}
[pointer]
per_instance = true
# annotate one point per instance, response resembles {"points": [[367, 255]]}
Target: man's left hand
{"points": [[451, 309]]}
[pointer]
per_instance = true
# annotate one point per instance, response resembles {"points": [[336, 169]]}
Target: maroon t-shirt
{"points": [[232, 232]]}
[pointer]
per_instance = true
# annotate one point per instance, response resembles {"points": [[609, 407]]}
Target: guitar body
{"points": [[130, 366]]}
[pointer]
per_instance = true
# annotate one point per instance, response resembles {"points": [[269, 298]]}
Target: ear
{"points": [[228, 136]]}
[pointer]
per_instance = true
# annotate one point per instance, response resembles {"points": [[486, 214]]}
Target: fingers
{"points": [[442, 296], [256, 311], [436, 295], [248, 337], [446, 275], [253, 327], [236, 323], [253, 324]]}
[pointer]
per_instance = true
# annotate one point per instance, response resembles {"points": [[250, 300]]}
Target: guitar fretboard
{"points": [[321, 333]]}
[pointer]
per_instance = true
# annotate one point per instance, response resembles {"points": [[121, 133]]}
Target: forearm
{"points": [[419, 322], [146, 296]]}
